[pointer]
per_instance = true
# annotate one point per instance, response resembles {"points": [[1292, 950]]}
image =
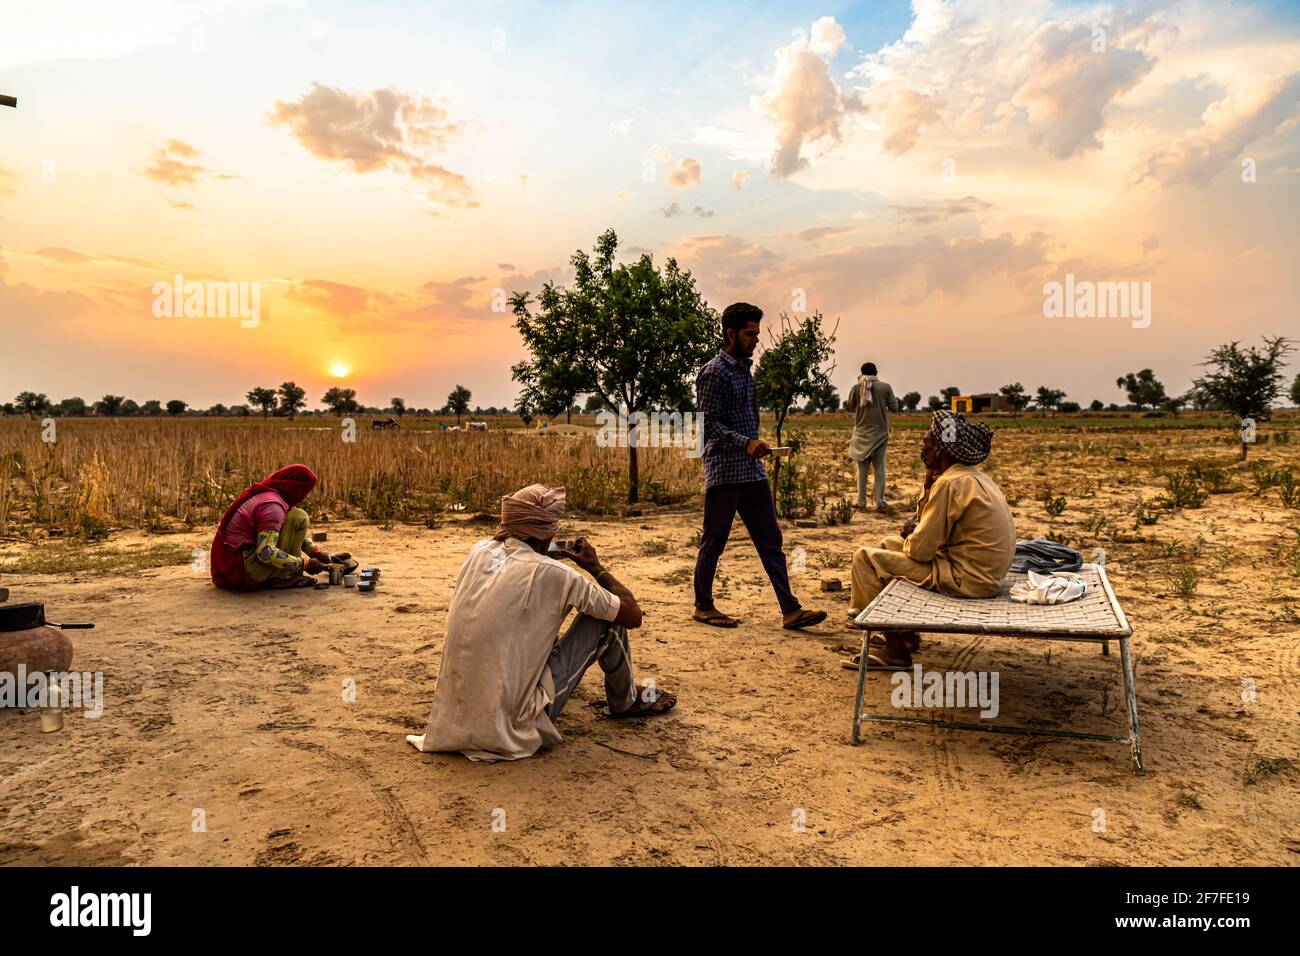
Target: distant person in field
{"points": [[872, 400], [262, 540], [506, 671], [734, 478], [961, 543]]}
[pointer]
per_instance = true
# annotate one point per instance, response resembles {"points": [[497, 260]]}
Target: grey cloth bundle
{"points": [[1041, 554]]}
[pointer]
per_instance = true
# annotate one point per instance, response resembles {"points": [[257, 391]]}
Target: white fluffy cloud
{"points": [[1230, 125], [964, 68], [803, 103]]}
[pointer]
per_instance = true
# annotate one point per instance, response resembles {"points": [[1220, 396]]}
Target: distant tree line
{"points": [[287, 401]]}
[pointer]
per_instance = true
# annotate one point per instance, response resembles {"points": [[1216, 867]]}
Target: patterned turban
{"points": [[532, 512], [967, 442]]}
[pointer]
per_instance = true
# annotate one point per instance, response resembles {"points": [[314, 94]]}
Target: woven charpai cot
{"points": [[902, 606]]}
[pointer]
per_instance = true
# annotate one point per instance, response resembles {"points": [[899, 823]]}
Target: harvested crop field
{"points": [[234, 711]]}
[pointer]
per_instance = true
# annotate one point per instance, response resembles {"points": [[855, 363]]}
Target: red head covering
{"points": [[292, 483]]}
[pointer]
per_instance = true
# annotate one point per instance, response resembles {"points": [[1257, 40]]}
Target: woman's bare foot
{"points": [[301, 581]]}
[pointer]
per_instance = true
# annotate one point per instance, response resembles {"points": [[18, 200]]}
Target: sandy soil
{"points": [[234, 705]]}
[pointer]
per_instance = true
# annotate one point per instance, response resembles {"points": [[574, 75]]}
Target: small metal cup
{"points": [[336, 574]]}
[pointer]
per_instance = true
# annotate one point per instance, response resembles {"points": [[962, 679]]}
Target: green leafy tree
{"points": [[458, 402], [72, 407], [151, 407], [176, 407], [825, 399], [110, 405], [1048, 399], [218, 410], [948, 394], [631, 333], [1015, 396], [911, 400], [263, 398], [1142, 388], [594, 404], [1096, 405], [934, 403], [292, 397], [340, 401], [1245, 382], [129, 408], [1295, 391], [397, 406], [796, 363], [31, 403]]}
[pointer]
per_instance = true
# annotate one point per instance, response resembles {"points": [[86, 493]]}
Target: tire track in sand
{"points": [[398, 820]]}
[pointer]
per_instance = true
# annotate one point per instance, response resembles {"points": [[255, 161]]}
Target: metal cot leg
{"points": [[862, 683], [1130, 692]]}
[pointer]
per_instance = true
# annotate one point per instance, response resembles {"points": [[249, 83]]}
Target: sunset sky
{"points": [[919, 170]]}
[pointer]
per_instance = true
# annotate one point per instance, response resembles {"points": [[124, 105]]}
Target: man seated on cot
{"points": [[962, 541], [505, 676], [262, 540]]}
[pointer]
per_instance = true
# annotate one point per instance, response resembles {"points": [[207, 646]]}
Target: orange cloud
{"points": [[384, 130], [171, 167], [685, 173]]}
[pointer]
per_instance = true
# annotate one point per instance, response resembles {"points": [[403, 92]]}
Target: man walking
{"points": [[872, 400], [734, 478]]}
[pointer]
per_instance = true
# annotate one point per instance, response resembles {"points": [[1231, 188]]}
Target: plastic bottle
{"points": [[52, 712]]}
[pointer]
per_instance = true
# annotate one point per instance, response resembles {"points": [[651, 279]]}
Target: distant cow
{"points": [[380, 424], [478, 426]]}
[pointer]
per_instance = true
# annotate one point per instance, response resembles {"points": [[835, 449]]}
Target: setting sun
{"points": [[340, 369]]}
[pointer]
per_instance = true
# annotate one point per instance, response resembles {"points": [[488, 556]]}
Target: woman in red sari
{"points": [[262, 539]]}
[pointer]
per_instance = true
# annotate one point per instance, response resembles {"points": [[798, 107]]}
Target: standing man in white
{"points": [[872, 400]]}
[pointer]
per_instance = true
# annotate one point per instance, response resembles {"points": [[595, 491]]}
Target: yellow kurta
{"points": [[963, 544]]}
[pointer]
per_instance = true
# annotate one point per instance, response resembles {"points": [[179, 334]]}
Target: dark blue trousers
{"points": [[753, 501]]}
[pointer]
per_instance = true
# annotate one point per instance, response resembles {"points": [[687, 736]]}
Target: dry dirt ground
{"points": [[235, 706]]}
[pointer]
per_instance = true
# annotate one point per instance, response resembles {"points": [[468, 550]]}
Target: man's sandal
{"points": [[806, 618], [714, 617], [913, 642], [660, 705]]}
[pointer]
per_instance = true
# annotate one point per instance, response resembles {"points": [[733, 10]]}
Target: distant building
{"points": [[981, 403]]}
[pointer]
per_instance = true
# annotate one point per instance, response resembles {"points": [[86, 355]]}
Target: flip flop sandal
{"points": [[913, 645], [660, 705], [806, 618], [874, 663], [715, 618]]}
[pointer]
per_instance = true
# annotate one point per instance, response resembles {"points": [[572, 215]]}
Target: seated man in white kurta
{"points": [[505, 677]]}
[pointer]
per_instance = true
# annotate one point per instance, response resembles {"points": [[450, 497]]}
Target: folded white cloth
{"points": [[1057, 587], [865, 397]]}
